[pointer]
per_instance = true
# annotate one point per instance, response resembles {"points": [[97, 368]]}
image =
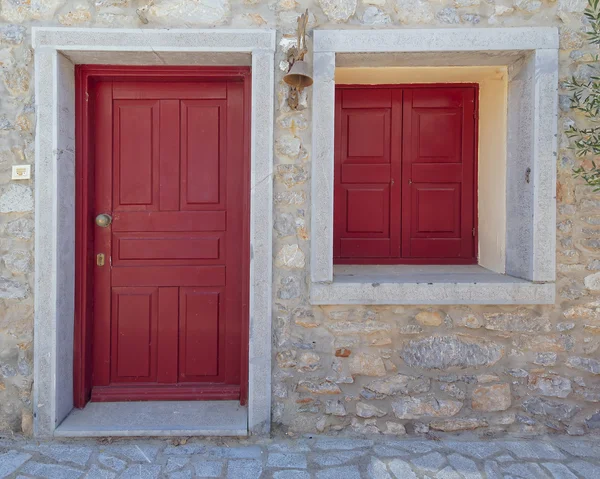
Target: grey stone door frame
{"points": [[57, 50]]}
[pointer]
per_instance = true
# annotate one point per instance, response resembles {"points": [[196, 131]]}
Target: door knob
{"points": [[103, 220]]}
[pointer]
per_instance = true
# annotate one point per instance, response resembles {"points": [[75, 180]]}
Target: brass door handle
{"points": [[103, 220]]}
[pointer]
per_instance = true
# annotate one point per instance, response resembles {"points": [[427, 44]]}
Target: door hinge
{"points": [[473, 231]]}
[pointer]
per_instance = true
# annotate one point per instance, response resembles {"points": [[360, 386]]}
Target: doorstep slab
{"points": [[156, 418]]}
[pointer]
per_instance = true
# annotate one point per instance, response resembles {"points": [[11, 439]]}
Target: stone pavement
{"points": [[316, 457]]}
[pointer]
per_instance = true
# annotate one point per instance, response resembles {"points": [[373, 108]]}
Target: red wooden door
{"points": [[405, 175], [169, 170], [438, 200]]}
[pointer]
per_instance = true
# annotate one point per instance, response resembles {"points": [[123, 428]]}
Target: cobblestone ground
{"points": [[304, 458]]}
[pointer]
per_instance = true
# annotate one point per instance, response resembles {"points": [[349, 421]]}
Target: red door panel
{"points": [[375, 199], [405, 174], [438, 168], [136, 155], [166, 248], [435, 209], [199, 90], [168, 335], [171, 221], [170, 171], [365, 196], [134, 334], [201, 177], [199, 328]]}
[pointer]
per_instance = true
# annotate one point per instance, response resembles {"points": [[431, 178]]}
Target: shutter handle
{"points": [[410, 181], [392, 181]]}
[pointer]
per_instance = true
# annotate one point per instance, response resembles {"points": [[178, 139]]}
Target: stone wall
{"points": [[392, 370]]}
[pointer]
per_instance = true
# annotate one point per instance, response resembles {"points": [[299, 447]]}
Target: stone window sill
{"points": [[408, 284]]}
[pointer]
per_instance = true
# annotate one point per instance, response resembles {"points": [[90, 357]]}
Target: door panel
{"points": [[168, 335], [201, 165], [369, 207], [199, 336], [365, 195], [170, 221], [169, 164], [136, 154], [173, 185], [134, 334], [438, 166], [436, 209], [166, 248]]}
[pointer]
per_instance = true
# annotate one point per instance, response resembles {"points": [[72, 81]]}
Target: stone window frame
{"points": [[57, 50], [531, 55]]}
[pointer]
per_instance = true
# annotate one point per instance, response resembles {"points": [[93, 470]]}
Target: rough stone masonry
{"points": [[361, 369]]}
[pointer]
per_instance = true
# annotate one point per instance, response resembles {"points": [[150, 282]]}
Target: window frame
{"points": [[531, 56]]}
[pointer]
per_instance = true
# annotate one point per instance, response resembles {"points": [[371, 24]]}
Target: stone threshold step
{"points": [[156, 418]]}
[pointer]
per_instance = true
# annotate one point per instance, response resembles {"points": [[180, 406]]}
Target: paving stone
{"points": [[63, 453], [333, 458], [111, 462], [431, 462], [559, 471], [187, 474], [492, 471], [347, 472], [11, 461], [141, 471], [299, 446], [377, 469], [465, 466], [448, 473], [336, 458], [585, 469], [383, 450], [579, 448], [525, 470], [175, 463], [504, 458], [291, 475], [249, 452], [184, 450], [533, 450], [289, 461], [401, 469], [96, 472], [135, 452], [479, 450], [418, 447], [205, 468], [342, 444], [244, 469], [51, 471]]}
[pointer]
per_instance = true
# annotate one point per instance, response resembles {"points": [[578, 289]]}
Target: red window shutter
{"points": [[405, 175], [438, 200], [367, 154]]}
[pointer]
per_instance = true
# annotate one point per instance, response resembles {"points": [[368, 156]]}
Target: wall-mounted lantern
{"points": [[298, 76]]}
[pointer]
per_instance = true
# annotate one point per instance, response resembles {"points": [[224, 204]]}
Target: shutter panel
{"points": [[365, 160], [438, 169]]}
